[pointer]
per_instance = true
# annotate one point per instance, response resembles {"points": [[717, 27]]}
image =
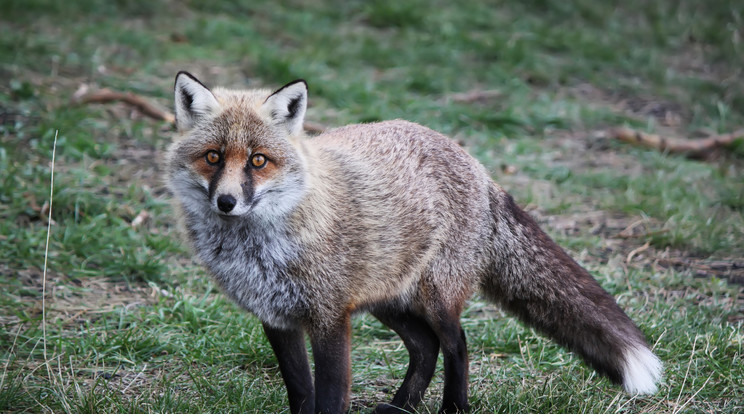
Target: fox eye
{"points": [[258, 160], [212, 157]]}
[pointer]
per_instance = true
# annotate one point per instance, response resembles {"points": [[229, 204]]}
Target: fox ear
{"points": [[193, 101], [287, 106]]}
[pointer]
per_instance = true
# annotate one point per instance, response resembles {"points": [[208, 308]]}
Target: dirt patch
{"points": [[667, 113], [731, 269], [137, 383], [74, 301], [694, 61], [141, 164], [628, 236]]}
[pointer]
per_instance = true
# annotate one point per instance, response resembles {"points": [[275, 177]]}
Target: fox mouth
{"points": [[246, 208], [228, 217]]}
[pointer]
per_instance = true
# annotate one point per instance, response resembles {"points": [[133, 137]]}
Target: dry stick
{"points": [[692, 147], [46, 257], [140, 103]]}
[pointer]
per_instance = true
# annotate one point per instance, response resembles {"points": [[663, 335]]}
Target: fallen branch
{"points": [[138, 102], [690, 147]]}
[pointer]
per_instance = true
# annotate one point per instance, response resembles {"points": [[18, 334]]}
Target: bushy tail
{"points": [[535, 279]]}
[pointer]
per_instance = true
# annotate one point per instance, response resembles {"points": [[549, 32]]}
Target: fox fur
{"points": [[391, 218]]}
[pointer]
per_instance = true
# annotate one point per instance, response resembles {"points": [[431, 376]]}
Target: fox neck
{"points": [[250, 261]]}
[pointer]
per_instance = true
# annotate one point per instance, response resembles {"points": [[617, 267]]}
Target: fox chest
{"points": [[254, 273]]}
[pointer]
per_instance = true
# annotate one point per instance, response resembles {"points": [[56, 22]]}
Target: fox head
{"points": [[232, 156]]}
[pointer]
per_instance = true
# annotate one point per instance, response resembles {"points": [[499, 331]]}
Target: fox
{"points": [[389, 218]]}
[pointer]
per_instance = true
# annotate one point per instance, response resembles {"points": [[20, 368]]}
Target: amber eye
{"points": [[258, 160], [212, 157]]}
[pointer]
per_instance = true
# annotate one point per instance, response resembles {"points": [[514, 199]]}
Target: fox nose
{"points": [[226, 203]]}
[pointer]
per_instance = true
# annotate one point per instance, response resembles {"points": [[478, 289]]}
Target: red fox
{"points": [[390, 218]]}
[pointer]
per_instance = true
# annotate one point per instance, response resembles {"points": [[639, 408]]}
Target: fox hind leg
{"points": [[422, 344], [455, 354]]}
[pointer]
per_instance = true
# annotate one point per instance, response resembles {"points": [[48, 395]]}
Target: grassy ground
{"points": [[133, 325]]}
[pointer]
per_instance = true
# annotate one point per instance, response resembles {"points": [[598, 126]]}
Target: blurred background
{"points": [[536, 90]]}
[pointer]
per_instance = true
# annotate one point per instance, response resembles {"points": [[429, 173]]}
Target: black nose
{"points": [[226, 203]]}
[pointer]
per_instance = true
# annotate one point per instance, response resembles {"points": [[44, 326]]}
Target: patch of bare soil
{"points": [[141, 163], [625, 236], [668, 114], [138, 383], [75, 301]]}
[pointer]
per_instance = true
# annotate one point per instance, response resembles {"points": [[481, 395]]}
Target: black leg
{"points": [[332, 355], [455, 355], [289, 347], [423, 347]]}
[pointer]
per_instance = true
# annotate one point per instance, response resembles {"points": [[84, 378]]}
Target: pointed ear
{"points": [[193, 101], [287, 106]]}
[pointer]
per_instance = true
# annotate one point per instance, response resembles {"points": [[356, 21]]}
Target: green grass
{"points": [[133, 325]]}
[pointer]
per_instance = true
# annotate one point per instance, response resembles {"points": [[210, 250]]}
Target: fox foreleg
{"points": [[332, 356], [289, 348]]}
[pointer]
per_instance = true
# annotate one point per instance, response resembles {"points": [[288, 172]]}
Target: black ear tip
{"points": [[184, 73], [190, 76], [294, 82], [302, 81]]}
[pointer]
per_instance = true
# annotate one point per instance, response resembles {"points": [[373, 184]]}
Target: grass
{"points": [[133, 325]]}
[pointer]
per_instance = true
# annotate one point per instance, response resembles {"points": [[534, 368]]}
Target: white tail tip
{"points": [[641, 371]]}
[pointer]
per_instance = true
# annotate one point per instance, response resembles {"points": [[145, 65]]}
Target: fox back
{"points": [[391, 218]]}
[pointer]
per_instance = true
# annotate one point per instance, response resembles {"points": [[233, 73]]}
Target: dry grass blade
{"points": [[46, 257]]}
